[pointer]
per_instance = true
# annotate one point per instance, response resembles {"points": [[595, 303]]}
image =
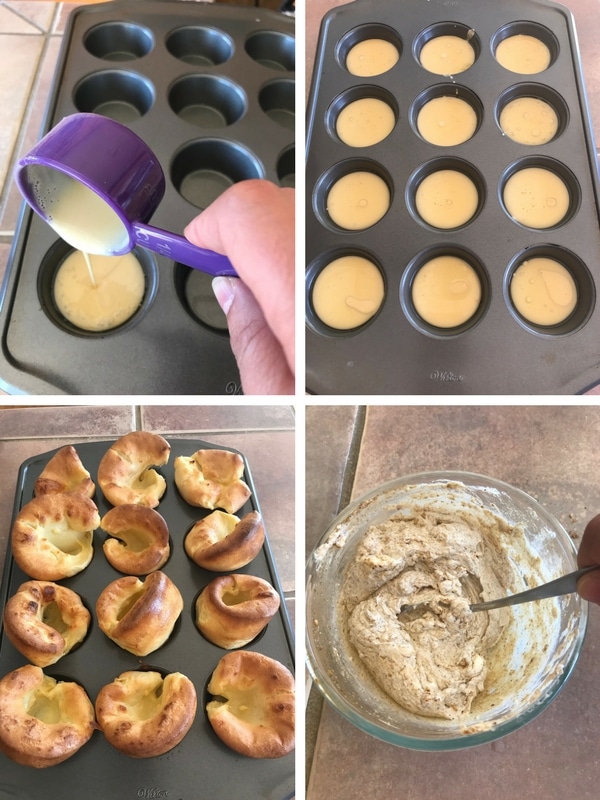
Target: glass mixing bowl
{"points": [[548, 634]]}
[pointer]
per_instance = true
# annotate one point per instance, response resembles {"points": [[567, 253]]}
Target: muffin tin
{"points": [[497, 351], [210, 89], [201, 766]]}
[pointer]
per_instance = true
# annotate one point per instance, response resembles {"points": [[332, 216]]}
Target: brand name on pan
{"points": [[445, 376], [151, 793]]}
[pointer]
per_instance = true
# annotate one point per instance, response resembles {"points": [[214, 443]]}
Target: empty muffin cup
{"points": [[524, 47], [353, 195], [114, 296], [362, 116], [286, 167], [531, 114], [277, 100], [446, 48], [444, 291], [194, 291], [549, 290], [119, 41], [446, 193], [446, 116], [539, 193], [369, 50], [119, 95], [345, 291], [272, 49], [204, 169], [199, 45], [207, 101]]}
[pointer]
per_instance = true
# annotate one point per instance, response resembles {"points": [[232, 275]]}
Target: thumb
{"points": [[260, 357], [588, 586]]}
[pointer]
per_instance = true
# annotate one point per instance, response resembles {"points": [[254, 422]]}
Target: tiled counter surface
{"points": [[587, 21], [552, 453], [264, 434]]}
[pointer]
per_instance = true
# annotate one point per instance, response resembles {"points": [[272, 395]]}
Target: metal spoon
{"points": [[564, 585]]}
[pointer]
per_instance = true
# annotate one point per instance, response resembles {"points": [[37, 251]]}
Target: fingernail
{"points": [[224, 289]]}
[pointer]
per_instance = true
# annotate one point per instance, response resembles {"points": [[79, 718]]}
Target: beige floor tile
{"points": [[38, 13], [22, 53]]}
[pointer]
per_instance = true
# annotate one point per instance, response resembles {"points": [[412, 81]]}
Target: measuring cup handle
{"points": [[179, 249]]}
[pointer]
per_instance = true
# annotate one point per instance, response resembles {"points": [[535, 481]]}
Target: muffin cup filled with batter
{"points": [[446, 116], [125, 288], [362, 116], [549, 290], [444, 291], [446, 193], [539, 193], [353, 195], [525, 48], [447, 48], [369, 50], [531, 114], [347, 291]]}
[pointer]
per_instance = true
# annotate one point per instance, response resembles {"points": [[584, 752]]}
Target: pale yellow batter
{"points": [[529, 120], [365, 122], [447, 55], [348, 292], [371, 57], [543, 291], [523, 54], [118, 293], [447, 121], [358, 200], [536, 197], [446, 199], [435, 661], [446, 291]]}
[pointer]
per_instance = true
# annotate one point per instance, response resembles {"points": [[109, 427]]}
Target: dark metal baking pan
{"points": [[210, 89], [497, 353], [201, 766]]}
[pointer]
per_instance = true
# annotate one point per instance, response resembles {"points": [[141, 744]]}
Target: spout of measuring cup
{"points": [[177, 248]]}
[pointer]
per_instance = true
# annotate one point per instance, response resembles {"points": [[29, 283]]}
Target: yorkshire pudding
{"points": [[233, 609], [125, 471], [139, 615], [221, 542], [64, 473], [212, 479], [44, 721], [253, 710], [143, 715], [44, 621], [52, 536], [138, 539]]}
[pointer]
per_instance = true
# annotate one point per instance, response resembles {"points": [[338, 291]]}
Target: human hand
{"points": [[588, 586], [252, 223]]}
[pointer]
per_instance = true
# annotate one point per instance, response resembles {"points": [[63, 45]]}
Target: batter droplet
{"points": [[364, 306]]}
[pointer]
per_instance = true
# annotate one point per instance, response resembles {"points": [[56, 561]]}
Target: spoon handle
{"points": [[564, 585]]}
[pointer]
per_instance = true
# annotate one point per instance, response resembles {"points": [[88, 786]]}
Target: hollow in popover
{"points": [[44, 621], [138, 540], [52, 537], [125, 472], [253, 705], [138, 615], [64, 472], [44, 721], [233, 609], [212, 479], [222, 542], [143, 715]]}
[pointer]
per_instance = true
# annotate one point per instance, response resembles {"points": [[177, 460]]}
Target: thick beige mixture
{"points": [[432, 662]]}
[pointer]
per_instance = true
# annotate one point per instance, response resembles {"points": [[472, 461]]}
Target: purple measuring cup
{"points": [[96, 183]]}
